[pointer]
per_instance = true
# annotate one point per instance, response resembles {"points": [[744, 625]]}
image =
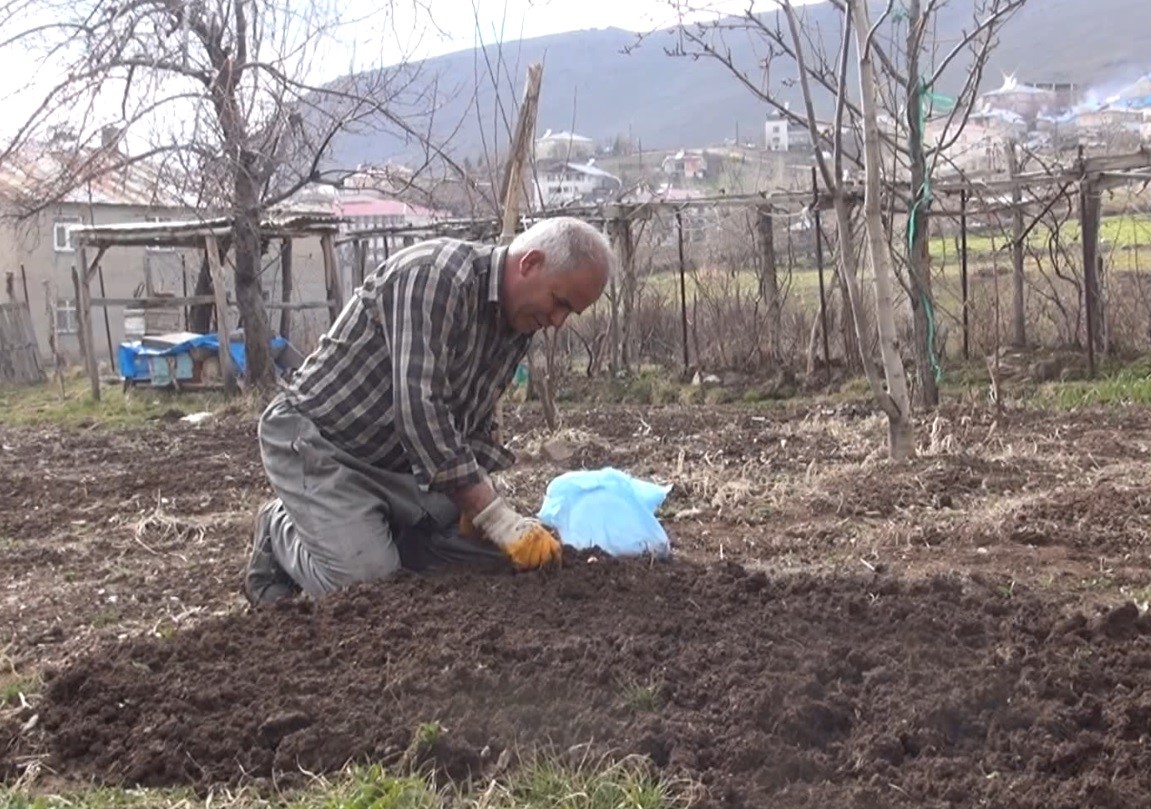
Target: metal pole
{"points": [[819, 268], [24, 280], [682, 288], [963, 269]]}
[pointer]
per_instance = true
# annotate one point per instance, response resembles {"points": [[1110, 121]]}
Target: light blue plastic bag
{"points": [[608, 509]]}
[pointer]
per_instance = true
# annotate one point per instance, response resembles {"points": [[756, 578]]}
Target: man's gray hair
{"points": [[567, 244]]}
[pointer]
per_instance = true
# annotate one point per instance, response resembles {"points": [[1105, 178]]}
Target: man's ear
{"points": [[532, 262]]}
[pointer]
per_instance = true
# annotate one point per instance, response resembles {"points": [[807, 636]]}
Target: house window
{"points": [[66, 322], [156, 248], [62, 239]]}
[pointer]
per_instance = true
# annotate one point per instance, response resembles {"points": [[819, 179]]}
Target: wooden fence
{"points": [[19, 354]]}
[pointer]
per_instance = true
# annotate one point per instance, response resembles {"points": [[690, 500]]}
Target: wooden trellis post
{"points": [[1090, 207], [286, 283], [620, 235], [513, 183], [82, 281], [332, 276], [219, 291]]}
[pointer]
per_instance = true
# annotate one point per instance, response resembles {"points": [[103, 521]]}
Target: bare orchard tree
{"points": [[910, 65], [828, 70], [228, 94], [787, 36]]}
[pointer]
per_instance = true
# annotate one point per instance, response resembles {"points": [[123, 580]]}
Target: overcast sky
{"points": [[372, 37], [456, 24]]}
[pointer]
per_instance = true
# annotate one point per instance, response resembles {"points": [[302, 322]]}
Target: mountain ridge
{"points": [[606, 82]]}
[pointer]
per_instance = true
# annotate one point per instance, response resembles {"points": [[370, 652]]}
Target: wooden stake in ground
{"points": [[513, 184], [227, 372]]}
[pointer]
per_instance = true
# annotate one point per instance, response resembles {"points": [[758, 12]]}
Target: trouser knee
{"points": [[368, 562]]}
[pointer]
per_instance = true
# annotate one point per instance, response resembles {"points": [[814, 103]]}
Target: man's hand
{"points": [[471, 500], [524, 539], [475, 498]]}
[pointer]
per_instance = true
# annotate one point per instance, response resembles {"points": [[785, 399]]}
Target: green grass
{"points": [[98, 799], [44, 404], [643, 697], [1124, 387], [371, 788], [549, 785], [803, 283], [13, 686], [104, 619], [545, 784], [1119, 234], [1115, 231]]}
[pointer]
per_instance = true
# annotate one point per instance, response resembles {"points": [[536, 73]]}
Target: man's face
{"points": [[537, 298]]}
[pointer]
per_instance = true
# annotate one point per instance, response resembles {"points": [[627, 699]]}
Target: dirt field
{"points": [[966, 629]]}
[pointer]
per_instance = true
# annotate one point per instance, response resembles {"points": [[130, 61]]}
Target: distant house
{"points": [[696, 220], [360, 208], [565, 146], [1120, 120], [979, 146], [775, 133], [40, 251], [390, 178], [1029, 100], [563, 183], [686, 164], [368, 211], [1113, 118], [1058, 130]]}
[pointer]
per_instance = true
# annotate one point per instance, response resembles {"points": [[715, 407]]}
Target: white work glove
{"points": [[524, 539]]}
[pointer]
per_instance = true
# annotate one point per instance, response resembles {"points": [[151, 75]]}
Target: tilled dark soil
{"points": [[788, 692]]}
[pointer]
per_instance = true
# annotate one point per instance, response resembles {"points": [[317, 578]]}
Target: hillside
{"points": [[592, 85]]}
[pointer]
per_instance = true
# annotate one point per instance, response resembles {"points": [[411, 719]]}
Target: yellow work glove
{"points": [[523, 539]]}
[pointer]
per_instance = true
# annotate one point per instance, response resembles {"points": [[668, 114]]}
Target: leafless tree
{"points": [[916, 69], [221, 93], [859, 84]]}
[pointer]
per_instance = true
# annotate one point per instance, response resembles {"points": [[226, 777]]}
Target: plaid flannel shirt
{"points": [[408, 376]]}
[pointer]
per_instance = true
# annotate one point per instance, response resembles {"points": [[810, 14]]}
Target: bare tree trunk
{"points": [[918, 259], [542, 377], [814, 344], [895, 401], [853, 322], [259, 369]]}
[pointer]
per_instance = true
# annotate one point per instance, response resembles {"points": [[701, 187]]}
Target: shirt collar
{"points": [[496, 273]]}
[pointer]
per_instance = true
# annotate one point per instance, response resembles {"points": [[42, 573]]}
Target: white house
{"points": [[775, 134], [563, 146], [558, 184]]}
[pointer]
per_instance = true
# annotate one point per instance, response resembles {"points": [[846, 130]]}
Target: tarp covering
{"points": [[133, 356]]}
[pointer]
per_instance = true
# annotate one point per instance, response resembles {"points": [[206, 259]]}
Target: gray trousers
{"points": [[339, 521]]}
